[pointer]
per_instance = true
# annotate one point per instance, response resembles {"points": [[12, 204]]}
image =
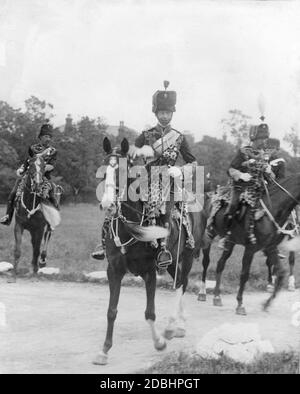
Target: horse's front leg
{"points": [[217, 301], [280, 274], [205, 264], [114, 278], [246, 264], [18, 233], [36, 240], [150, 283], [291, 283], [270, 285]]}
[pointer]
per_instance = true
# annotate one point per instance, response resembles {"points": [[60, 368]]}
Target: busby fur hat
{"points": [[46, 129], [164, 100], [260, 131]]}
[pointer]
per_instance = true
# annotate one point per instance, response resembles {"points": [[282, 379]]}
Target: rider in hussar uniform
{"points": [[166, 143], [277, 162], [247, 171], [44, 142]]}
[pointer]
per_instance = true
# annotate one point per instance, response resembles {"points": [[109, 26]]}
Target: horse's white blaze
{"points": [[37, 164], [110, 187]]}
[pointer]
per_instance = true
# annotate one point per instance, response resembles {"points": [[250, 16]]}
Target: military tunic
{"points": [[50, 158], [170, 153]]}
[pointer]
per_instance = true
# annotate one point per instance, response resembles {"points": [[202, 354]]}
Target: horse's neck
{"points": [[282, 203], [28, 196]]}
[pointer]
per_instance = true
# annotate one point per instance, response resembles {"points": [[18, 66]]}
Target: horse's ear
{"points": [[107, 146], [124, 146]]}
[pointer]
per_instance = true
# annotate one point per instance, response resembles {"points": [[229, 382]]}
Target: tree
{"points": [[237, 125], [20, 128], [215, 155], [8, 164], [292, 137]]}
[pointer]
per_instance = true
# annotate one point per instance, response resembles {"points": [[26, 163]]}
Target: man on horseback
{"points": [[45, 139], [247, 173], [166, 143]]}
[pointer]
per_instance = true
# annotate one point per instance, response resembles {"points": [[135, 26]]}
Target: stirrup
{"points": [[99, 254], [5, 220], [164, 259]]}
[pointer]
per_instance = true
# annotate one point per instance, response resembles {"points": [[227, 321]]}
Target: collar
{"points": [[162, 129]]}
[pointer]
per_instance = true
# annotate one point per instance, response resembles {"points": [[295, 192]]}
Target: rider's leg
{"points": [[229, 214], [7, 218], [99, 253]]}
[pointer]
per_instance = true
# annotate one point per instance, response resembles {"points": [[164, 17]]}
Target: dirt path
{"points": [[58, 327]]}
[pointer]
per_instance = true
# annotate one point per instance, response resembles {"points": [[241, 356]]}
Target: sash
{"points": [[165, 142]]}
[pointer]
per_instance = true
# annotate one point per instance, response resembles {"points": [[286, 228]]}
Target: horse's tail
{"points": [[146, 234]]}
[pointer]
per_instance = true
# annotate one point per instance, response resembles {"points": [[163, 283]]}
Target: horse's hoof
{"points": [[11, 279], [179, 333], [160, 344], [217, 301], [270, 288], [34, 277], [101, 359], [201, 297], [240, 310], [169, 334]]}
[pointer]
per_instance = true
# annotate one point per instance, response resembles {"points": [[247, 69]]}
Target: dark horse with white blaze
{"points": [[29, 216], [136, 255], [267, 233]]}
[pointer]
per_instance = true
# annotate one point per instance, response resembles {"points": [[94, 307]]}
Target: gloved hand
{"points": [[268, 169], [175, 172], [245, 176], [48, 167], [20, 171]]}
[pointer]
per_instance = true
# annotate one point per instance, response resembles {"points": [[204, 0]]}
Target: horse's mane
{"points": [[294, 178]]}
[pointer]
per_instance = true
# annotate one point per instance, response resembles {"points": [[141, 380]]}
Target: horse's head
{"points": [[36, 171], [116, 161]]}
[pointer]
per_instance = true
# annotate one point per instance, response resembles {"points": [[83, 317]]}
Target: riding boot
{"points": [[99, 252], [223, 243], [7, 218], [164, 257]]}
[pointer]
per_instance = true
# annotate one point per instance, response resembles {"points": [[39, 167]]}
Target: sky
{"points": [[107, 58]]}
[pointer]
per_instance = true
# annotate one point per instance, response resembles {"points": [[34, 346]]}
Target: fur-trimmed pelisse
{"points": [[259, 132]]}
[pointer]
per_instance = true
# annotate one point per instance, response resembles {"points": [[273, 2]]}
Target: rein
{"points": [[286, 191], [271, 217], [123, 219], [34, 208]]}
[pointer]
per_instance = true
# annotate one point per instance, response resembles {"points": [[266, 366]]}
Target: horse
{"points": [[269, 233], [30, 215], [128, 249]]}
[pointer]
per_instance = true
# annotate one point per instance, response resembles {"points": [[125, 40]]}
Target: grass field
{"points": [[76, 237], [184, 363]]}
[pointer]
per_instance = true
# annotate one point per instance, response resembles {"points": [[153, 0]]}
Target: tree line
{"points": [[80, 147]]}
